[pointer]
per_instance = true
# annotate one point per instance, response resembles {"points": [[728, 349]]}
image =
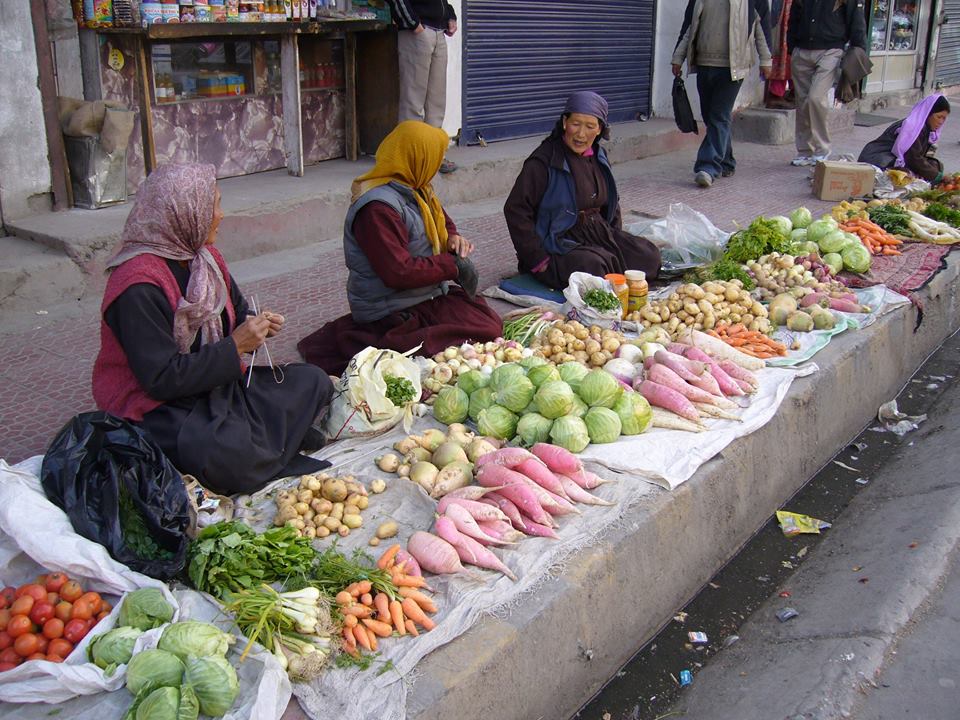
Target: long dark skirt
{"points": [[446, 320], [236, 439]]}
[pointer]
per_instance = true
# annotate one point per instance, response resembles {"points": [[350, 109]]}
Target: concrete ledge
{"points": [[642, 572], [30, 274], [778, 127]]}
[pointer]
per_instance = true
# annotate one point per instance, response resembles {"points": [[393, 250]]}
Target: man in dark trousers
{"points": [[424, 28], [818, 32]]}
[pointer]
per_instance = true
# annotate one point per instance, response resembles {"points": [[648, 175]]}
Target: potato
{"points": [[301, 508], [334, 489], [363, 502], [331, 524], [343, 531], [373, 542], [352, 520], [305, 496], [387, 529], [377, 486], [337, 511], [350, 510], [310, 532]]}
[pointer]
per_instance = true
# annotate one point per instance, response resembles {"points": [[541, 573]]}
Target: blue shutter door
{"points": [[948, 50], [522, 58]]}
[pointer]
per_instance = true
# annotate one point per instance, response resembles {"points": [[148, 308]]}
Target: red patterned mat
{"points": [[904, 273]]}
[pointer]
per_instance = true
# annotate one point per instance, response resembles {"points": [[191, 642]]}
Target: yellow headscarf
{"points": [[411, 155]]}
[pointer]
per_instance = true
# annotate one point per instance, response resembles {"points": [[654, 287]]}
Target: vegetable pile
{"points": [[942, 213], [523, 328], [702, 307], [575, 342], [751, 342], [892, 218], [601, 300], [322, 505], [799, 276], [447, 366]]}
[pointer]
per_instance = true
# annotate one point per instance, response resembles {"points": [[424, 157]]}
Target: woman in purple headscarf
{"points": [[175, 334], [563, 212], [911, 143]]}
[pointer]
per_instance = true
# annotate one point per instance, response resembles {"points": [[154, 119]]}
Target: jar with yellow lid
{"points": [[637, 290]]}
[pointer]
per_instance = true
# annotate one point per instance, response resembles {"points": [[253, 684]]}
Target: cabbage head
{"points": [[572, 373], [783, 224], [113, 648], [505, 375], [533, 428], [579, 408], [165, 703], [798, 235], [480, 400], [635, 413], [856, 258], [818, 228], [145, 609], [451, 405], [554, 399], [528, 363], [194, 638], [150, 669], [603, 425], [570, 433], [497, 422], [543, 373], [515, 396], [472, 380], [600, 389], [800, 218], [834, 261], [833, 241], [215, 683]]}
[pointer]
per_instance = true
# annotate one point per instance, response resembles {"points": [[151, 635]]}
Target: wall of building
{"points": [[24, 165]]}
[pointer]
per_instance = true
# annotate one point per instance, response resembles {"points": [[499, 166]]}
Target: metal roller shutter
{"points": [[948, 50], [522, 58]]}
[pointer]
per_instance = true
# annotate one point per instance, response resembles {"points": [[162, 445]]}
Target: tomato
{"points": [[37, 592], [22, 605], [3, 602], [10, 655], [101, 615], [9, 594], [53, 598], [63, 610], [53, 628], [82, 609], [106, 607], [4, 666], [42, 644], [71, 590], [96, 602], [55, 581], [26, 644], [54, 658], [60, 647], [35, 656], [18, 625], [5, 616], [41, 612], [42, 579], [75, 630], [5, 640]]}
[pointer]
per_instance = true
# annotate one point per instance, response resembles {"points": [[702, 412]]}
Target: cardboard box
{"points": [[842, 180]]}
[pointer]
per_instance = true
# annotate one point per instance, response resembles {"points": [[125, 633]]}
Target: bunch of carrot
{"points": [[751, 342], [367, 617], [877, 240]]}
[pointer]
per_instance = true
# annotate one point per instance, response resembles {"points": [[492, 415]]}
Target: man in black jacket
{"points": [[424, 28], [817, 34]]}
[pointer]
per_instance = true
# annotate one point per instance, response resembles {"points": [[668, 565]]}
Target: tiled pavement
{"points": [[45, 378]]}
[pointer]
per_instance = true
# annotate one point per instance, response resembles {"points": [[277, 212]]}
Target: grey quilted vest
{"points": [[369, 298]]}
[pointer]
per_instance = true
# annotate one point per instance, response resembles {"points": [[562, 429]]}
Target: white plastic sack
{"points": [[885, 189], [686, 238], [576, 309], [360, 406]]}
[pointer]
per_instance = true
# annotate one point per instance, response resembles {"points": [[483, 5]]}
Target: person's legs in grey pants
{"points": [[423, 75]]}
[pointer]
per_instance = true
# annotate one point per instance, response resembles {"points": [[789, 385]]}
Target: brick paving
{"points": [[46, 377]]}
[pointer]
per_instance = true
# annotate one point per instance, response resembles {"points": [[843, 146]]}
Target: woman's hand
{"points": [[459, 245], [251, 333], [276, 322]]}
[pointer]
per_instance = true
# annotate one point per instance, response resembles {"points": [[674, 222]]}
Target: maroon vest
{"points": [[115, 388]]}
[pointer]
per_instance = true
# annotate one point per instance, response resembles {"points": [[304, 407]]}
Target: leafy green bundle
{"points": [[399, 390], [895, 220], [601, 300], [942, 213], [759, 238]]}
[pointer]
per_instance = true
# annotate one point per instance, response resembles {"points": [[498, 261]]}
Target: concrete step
{"points": [[33, 277], [768, 126]]}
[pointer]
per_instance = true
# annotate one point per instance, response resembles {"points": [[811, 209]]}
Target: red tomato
{"points": [[4, 666], [3, 602], [18, 625], [42, 579], [82, 609], [42, 644], [96, 602], [106, 607], [22, 605], [41, 612], [71, 590], [10, 656], [60, 647], [37, 592], [53, 598], [5, 616], [101, 615], [63, 610], [26, 644], [5, 640], [35, 656], [75, 630], [55, 581], [9, 594], [54, 658], [53, 628]]}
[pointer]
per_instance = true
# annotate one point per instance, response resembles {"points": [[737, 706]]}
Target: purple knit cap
{"points": [[589, 103]]}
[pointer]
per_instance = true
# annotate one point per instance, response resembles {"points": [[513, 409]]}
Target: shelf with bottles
{"points": [[190, 71]]}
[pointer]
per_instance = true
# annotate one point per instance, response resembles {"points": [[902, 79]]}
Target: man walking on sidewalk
{"points": [[819, 30], [424, 28]]}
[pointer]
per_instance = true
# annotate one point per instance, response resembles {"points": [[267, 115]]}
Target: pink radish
{"points": [[471, 492], [592, 480], [678, 364], [541, 475], [434, 554], [739, 373], [847, 306], [479, 511], [709, 383], [665, 376], [500, 529], [508, 457], [558, 459], [505, 506], [553, 504], [578, 494], [528, 502], [536, 529], [668, 399], [409, 563], [725, 382], [467, 525], [469, 550]]}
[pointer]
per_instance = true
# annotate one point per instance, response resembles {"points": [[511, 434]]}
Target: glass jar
{"points": [[637, 289]]}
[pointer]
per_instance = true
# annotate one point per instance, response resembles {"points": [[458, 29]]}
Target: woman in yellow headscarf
{"points": [[402, 251]]}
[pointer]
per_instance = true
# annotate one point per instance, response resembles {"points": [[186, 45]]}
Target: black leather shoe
{"points": [[727, 173]]}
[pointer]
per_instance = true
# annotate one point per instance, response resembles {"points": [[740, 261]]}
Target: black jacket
{"points": [[826, 25], [407, 14], [919, 158]]}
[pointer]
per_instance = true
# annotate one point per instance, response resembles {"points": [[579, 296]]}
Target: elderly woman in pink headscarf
{"points": [[175, 336], [911, 143]]}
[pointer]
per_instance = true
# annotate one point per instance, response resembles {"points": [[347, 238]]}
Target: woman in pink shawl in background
{"points": [[174, 334], [911, 143]]}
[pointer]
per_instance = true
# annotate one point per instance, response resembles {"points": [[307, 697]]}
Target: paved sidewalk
{"points": [[45, 379]]}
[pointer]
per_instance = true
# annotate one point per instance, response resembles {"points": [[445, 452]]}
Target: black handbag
{"points": [[682, 112]]}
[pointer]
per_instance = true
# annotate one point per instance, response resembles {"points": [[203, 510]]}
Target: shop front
{"points": [[897, 34], [948, 48]]}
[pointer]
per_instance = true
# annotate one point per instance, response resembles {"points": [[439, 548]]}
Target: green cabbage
{"points": [[113, 648], [505, 375], [145, 609], [533, 428], [800, 218], [635, 413], [161, 704], [480, 400], [497, 422], [783, 224], [554, 399], [856, 258], [515, 396], [834, 261], [543, 373], [600, 389], [819, 228], [572, 373], [215, 683], [531, 408], [194, 638], [570, 433], [603, 425], [451, 405], [833, 241], [579, 408], [798, 235], [189, 704], [150, 669], [472, 380], [528, 363]]}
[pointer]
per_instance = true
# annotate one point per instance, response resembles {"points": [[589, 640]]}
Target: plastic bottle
{"points": [[619, 283], [637, 289]]}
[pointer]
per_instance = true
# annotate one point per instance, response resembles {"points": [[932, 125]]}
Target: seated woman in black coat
{"points": [[911, 143]]}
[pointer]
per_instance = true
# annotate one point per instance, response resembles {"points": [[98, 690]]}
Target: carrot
{"points": [[414, 581], [413, 611], [364, 586], [350, 620], [736, 329], [411, 627], [353, 589], [363, 639], [344, 598], [382, 603], [349, 641], [361, 611], [366, 599], [396, 614], [386, 560], [426, 603], [380, 629], [373, 640]]}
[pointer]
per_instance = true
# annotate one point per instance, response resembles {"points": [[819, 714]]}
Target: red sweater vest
{"points": [[115, 388]]}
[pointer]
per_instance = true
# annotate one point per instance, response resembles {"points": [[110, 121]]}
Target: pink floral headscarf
{"points": [[171, 218]]}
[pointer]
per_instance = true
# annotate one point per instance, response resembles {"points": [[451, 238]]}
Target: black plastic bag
{"points": [[682, 112], [120, 490]]}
